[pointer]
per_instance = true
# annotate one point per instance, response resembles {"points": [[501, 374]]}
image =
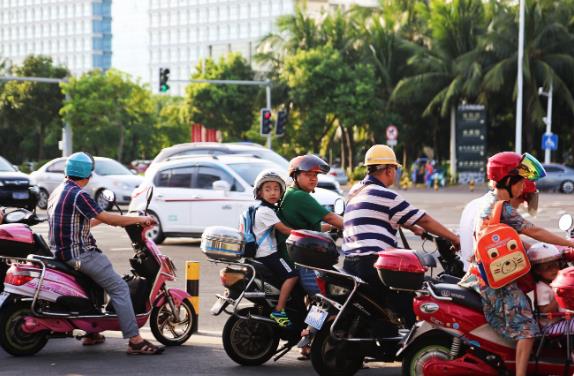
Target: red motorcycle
{"points": [[452, 336]]}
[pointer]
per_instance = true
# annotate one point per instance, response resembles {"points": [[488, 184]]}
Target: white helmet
{"points": [[540, 253], [266, 176]]}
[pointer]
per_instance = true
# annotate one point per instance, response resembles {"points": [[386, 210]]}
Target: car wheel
{"points": [[43, 199], [567, 186], [101, 201], [155, 233]]}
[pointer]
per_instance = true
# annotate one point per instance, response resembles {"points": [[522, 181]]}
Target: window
{"points": [[174, 178], [553, 169], [206, 176], [57, 167]]}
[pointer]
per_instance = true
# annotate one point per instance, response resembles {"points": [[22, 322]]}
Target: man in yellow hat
{"points": [[372, 217]]}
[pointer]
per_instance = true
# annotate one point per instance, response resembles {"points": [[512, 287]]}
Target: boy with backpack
{"points": [[269, 188]]}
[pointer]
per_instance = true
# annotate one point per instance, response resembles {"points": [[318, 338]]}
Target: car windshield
{"points": [[273, 157], [249, 171], [5, 166], [110, 167]]}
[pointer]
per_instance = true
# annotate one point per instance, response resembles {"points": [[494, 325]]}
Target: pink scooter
{"points": [[45, 298]]}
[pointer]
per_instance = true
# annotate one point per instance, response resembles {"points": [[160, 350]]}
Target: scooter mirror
{"points": [[149, 196], [339, 207], [109, 195], [15, 216], [565, 222]]}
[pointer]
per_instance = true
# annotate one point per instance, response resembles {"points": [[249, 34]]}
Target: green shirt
{"points": [[300, 211]]}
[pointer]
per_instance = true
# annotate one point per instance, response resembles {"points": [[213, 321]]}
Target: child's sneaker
{"points": [[281, 318]]}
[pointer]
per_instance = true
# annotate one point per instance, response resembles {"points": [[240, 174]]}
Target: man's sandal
{"points": [[144, 348], [93, 339]]}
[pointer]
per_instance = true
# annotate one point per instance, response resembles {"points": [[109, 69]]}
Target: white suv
{"points": [[194, 192]]}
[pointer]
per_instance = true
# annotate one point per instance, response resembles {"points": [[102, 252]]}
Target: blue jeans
{"points": [[98, 267]]}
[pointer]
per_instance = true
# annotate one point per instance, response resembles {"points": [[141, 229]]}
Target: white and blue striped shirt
{"points": [[373, 216]]}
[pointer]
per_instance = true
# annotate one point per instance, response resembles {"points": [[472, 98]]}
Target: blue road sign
{"points": [[550, 141]]}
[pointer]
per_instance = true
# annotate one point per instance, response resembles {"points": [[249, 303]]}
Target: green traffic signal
{"points": [[163, 78]]}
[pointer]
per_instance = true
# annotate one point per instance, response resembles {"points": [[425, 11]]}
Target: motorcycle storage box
{"points": [[400, 269], [16, 240], [222, 243], [563, 286], [312, 248]]}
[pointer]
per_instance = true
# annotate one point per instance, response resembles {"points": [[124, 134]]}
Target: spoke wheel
{"points": [[173, 328], [12, 338]]}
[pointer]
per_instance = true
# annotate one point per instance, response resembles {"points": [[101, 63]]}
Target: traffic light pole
{"points": [[268, 98], [67, 129]]}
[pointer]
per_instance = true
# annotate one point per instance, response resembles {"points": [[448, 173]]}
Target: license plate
{"points": [[217, 307], [3, 298], [20, 195], [316, 317]]}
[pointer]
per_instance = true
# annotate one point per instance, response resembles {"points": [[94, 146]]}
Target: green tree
{"points": [[30, 125], [229, 108]]}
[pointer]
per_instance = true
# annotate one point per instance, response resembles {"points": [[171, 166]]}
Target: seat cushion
{"points": [[460, 295]]}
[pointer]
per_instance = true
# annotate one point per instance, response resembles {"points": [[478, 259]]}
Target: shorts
{"points": [[279, 266], [509, 312]]}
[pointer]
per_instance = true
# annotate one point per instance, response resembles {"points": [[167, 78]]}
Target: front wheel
{"points": [[426, 348], [12, 338], [249, 342], [567, 187], [172, 328], [332, 357]]}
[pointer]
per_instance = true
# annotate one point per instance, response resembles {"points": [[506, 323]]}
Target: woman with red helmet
{"points": [[507, 309]]}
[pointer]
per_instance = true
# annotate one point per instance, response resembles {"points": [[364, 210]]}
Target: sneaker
{"points": [[280, 318]]}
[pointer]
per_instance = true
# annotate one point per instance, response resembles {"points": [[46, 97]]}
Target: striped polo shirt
{"points": [[69, 212], [373, 216]]}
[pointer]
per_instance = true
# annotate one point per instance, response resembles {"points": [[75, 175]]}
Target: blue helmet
{"points": [[80, 165]]}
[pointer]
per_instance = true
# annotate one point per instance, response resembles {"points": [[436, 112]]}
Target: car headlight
{"points": [[1, 183]]}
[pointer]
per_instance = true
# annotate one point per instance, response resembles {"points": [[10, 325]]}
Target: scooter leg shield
{"points": [[466, 365]]}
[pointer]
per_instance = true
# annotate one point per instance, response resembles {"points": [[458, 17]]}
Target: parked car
{"points": [[246, 148], [558, 178], [194, 192], [15, 187], [339, 174], [108, 174]]}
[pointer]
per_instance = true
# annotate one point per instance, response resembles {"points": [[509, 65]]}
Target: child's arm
{"points": [[551, 307], [282, 228]]}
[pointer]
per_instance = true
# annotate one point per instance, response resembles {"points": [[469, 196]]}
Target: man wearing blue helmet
{"points": [[71, 213]]}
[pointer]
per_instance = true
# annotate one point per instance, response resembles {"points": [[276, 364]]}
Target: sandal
{"points": [[93, 339], [305, 353], [144, 348]]}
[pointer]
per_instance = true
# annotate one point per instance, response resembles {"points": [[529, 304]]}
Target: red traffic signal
{"points": [[265, 121]]}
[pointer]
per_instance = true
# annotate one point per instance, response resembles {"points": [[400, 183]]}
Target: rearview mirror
{"points": [[339, 207], [109, 195], [565, 222], [221, 185]]}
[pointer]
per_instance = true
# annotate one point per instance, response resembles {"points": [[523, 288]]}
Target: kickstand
{"points": [[282, 351]]}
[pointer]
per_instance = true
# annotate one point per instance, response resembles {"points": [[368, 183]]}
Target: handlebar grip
{"points": [[427, 236], [568, 255]]}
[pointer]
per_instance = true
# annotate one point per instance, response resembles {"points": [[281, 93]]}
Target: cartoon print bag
{"points": [[500, 254]]}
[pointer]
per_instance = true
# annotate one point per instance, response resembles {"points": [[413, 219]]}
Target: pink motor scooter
{"points": [[45, 298]]}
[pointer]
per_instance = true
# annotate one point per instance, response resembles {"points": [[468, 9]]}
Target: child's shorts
{"points": [[280, 268]]}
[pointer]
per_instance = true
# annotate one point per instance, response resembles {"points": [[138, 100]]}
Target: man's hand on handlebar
{"points": [[146, 220]]}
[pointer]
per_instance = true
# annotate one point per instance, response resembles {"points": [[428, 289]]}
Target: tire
{"points": [[163, 321], [43, 199], [332, 357], [102, 202], [12, 339], [567, 186], [249, 342], [422, 350], [155, 233]]}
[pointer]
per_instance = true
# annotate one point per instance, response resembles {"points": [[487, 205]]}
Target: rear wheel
{"points": [[155, 233], [567, 186], [332, 357], [426, 348], [172, 328], [249, 342], [12, 338]]}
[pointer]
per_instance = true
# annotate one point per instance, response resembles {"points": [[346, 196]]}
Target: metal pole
{"points": [[520, 80], [548, 121], [268, 97], [67, 137], [453, 161]]}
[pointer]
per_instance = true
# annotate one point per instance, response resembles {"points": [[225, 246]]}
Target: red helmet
{"points": [[503, 164], [308, 162]]}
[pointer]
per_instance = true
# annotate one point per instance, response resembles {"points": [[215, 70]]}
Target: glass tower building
{"points": [[77, 34]]}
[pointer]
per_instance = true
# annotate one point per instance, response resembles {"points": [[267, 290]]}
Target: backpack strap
{"points": [[496, 213], [265, 234]]}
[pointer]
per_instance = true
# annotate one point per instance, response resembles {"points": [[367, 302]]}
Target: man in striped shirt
{"points": [[372, 218]]}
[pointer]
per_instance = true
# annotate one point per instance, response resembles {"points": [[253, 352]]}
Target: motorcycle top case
{"points": [[312, 248], [401, 269], [563, 286], [499, 252], [222, 243], [16, 240]]}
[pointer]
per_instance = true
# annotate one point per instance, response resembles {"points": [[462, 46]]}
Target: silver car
{"points": [[108, 174], [558, 178]]}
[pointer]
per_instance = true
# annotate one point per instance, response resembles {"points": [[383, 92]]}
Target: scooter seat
{"points": [[460, 295], [84, 281]]}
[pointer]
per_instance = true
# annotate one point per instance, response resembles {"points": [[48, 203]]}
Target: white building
{"points": [[75, 33]]}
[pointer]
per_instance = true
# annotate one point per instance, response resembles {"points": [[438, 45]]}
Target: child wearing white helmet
{"points": [[545, 259], [269, 187]]}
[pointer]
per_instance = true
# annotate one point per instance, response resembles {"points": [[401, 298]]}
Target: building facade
{"points": [[75, 33]]}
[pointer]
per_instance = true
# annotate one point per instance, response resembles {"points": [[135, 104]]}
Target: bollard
{"points": [[471, 185], [192, 286], [436, 184]]}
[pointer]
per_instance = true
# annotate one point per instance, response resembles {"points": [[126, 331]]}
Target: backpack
{"points": [[500, 254], [246, 227]]}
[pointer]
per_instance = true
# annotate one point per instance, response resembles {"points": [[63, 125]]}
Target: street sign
{"points": [[392, 142], [550, 141], [392, 133]]}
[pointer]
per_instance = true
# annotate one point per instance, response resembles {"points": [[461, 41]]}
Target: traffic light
{"points": [[281, 122], [266, 122], [163, 78]]}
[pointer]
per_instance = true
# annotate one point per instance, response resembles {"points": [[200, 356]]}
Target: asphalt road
{"points": [[203, 354]]}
